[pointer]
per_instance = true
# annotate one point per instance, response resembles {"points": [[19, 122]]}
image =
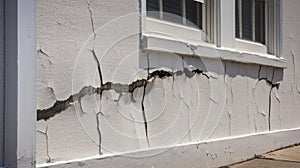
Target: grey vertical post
{"points": [[20, 60]]}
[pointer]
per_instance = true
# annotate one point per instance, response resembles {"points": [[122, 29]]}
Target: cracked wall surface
{"points": [[95, 98], [286, 100], [1, 80]]}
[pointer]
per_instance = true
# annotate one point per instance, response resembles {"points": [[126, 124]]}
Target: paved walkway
{"points": [[284, 158]]}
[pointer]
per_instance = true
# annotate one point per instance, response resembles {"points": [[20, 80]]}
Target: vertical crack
{"points": [[188, 113], [100, 100], [227, 101], [230, 112], [270, 104], [148, 68], [81, 108], [143, 106], [272, 85], [173, 78], [100, 78], [99, 133], [276, 85], [254, 118], [91, 18], [256, 107], [98, 66], [270, 98], [293, 57], [144, 116], [47, 144], [182, 58], [294, 65], [188, 122], [294, 68], [259, 72], [248, 113], [225, 70]]}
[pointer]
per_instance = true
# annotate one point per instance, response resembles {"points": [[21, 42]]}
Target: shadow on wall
{"points": [[249, 88]]}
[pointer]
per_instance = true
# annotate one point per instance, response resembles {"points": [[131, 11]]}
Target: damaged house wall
{"points": [[286, 100], [68, 25], [99, 93]]}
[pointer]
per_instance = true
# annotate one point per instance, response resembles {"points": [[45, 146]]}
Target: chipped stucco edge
{"points": [[160, 43], [228, 150]]}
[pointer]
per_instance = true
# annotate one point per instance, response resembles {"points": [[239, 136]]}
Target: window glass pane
{"points": [[172, 10], [153, 8], [191, 12], [199, 17], [237, 19], [260, 21], [247, 19]]}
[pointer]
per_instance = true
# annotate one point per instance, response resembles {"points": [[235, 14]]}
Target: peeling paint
{"points": [[91, 17]]}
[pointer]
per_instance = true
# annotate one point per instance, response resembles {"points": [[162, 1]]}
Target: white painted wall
{"points": [[227, 100], [63, 28], [286, 112], [1, 79]]}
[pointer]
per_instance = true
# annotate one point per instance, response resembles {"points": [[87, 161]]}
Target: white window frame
{"points": [[160, 27]]}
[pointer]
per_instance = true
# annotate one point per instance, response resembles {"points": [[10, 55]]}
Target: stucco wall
{"points": [[63, 27], [1, 79], [286, 107], [127, 99]]}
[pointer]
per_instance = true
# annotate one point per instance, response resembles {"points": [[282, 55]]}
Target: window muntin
{"points": [[250, 20]]}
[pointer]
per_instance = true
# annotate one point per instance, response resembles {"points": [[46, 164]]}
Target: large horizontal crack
{"points": [[61, 105]]}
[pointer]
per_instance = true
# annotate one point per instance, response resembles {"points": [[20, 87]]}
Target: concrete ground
{"points": [[284, 158]]}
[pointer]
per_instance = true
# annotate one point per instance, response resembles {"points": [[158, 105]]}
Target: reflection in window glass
{"points": [[187, 12], [251, 26]]}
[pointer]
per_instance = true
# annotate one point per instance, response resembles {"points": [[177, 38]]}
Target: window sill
{"points": [[174, 30], [249, 46], [160, 43]]}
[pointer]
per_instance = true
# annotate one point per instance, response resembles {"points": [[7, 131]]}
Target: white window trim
{"points": [[20, 78], [205, 50], [224, 41]]}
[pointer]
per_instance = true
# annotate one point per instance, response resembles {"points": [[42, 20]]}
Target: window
{"points": [[186, 19], [247, 31], [250, 21], [255, 21]]}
